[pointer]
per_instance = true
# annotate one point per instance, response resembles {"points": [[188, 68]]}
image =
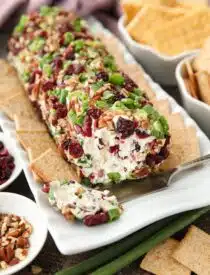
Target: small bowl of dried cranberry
{"points": [[10, 166]]}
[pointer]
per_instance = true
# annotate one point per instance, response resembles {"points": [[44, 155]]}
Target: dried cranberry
{"points": [[87, 127], [129, 84], [141, 134], [46, 188], [152, 160], [43, 34], [57, 64], [75, 149], [96, 219], [53, 99], [114, 149], [94, 113], [125, 127], [102, 76], [69, 53], [75, 69], [33, 76], [48, 85], [61, 112]]}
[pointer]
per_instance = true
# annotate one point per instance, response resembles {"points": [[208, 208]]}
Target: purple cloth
{"points": [[106, 10]]}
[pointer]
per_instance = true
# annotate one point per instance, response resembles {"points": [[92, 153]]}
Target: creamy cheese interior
{"points": [[81, 200]]}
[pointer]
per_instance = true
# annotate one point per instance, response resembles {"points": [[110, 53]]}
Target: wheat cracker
{"points": [[194, 251], [159, 260], [18, 105], [203, 80], [50, 166], [28, 124], [184, 34], [150, 18]]}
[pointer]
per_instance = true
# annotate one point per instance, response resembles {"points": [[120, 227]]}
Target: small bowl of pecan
{"points": [[23, 232], [10, 166]]}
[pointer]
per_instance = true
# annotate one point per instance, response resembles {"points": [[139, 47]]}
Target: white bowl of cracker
{"points": [[193, 79], [162, 34]]}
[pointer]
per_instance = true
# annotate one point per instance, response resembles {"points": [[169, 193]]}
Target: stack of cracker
{"points": [[180, 258], [169, 26], [46, 162], [197, 74]]}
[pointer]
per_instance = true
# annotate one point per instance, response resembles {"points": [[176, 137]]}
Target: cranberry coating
{"points": [[96, 219], [87, 126], [94, 113], [75, 150], [75, 69], [48, 85], [102, 76], [141, 134], [125, 127], [61, 111], [69, 53], [114, 149]]}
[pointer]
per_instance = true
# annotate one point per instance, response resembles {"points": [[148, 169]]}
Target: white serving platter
{"points": [[21, 206], [188, 193]]}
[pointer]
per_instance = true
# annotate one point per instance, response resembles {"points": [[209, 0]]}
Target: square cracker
{"points": [[184, 147], [159, 260], [194, 251], [51, 166], [150, 18], [23, 124], [193, 3], [37, 142], [18, 105], [6, 68], [9, 83], [31, 158], [186, 33], [203, 80], [162, 106]]}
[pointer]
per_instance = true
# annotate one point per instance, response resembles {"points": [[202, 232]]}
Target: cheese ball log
{"points": [[99, 118]]}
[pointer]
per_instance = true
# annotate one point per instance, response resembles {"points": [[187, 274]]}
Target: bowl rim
{"points": [[22, 264], [183, 89], [144, 47], [18, 167]]}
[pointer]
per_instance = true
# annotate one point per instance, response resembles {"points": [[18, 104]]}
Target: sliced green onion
{"points": [[25, 76], [22, 23], [47, 69], [114, 214], [68, 38], [77, 25], [37, 44], [78, 45], [114, 176], [117, 79]]}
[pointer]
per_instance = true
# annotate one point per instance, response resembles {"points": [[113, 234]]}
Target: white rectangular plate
{"points": [[188, 193]]}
